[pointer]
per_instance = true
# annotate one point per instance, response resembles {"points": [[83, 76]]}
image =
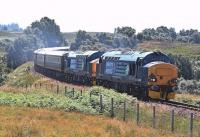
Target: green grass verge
{"points": [[21, 76]]}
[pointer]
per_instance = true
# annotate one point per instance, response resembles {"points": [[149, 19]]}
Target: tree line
{"points": [[126, 37], [10, 27]]}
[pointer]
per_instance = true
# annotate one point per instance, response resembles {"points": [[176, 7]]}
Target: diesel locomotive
{"points": [[141, 74]]}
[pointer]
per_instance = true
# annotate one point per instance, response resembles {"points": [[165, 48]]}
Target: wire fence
{"points": [[142, 114]]}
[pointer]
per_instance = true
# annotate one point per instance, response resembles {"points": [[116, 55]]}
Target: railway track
{"points": [[180, 105]]}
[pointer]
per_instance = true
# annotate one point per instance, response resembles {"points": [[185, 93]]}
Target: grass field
{"points": [[30, 122]]}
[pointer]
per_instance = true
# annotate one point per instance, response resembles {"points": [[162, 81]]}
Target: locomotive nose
{"points": [[162, 74], [162, 79]]}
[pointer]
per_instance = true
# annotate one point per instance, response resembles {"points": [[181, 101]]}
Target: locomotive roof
{"points": [[130, 56], [111, 53], [133, 55], [89, 53], [83, 54]]}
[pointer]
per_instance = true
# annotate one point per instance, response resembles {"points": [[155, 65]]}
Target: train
{"points": [[146, 75]]}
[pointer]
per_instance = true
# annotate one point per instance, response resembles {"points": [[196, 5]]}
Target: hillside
{"points": [[175, 48], [9, 35]]}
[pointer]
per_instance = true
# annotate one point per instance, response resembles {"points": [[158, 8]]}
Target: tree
{"points": [[43, 33], [172, 33], [47, 30], [195, 37], [128, 31], [82, 39]]}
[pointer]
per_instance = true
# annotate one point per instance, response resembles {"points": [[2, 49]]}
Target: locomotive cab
{"points": [[161, 80]]}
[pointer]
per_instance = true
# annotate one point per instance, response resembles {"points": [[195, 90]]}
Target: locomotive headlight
{"points": [[152, 78]]}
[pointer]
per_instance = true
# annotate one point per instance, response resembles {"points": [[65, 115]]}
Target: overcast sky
{"points": [[103, 15]]}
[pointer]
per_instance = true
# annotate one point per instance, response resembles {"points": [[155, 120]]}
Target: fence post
{"points": [[81, 92], [172, 121], [90, 94], [40, 85], [191, 125], [35, 85], [138, 114], [65, 90], [101, 103], [112, 109], [46, 86], [154, 116], [72, 92], [57, 89], [124, 118], [26, 87]]}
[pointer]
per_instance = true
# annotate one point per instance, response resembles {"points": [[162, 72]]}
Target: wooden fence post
{"points": [[172, 121], [154, 117], [46, 86], [90, 94], [112, 108], [191, 125], [57, 89], [35, 85], [124, 117], [72, 92], [138, 114], [40, 85], [101, 104], [65, 90], [81, 93]]}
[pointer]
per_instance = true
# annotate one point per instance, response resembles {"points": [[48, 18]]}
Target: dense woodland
{"points": [[46, 33]]}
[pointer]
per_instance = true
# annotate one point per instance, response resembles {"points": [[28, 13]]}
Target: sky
{"points": [[103, 15]]}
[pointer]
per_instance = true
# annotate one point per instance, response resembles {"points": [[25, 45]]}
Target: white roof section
{"points": [[56, 51]]}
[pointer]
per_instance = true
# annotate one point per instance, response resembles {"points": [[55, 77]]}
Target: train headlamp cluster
{"points": [[152, 78]]}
